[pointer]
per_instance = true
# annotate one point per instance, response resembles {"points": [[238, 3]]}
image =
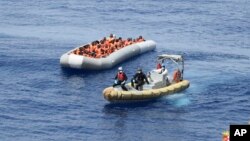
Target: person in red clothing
{"points": [[120, 79], [158, 66], [176, 76]]}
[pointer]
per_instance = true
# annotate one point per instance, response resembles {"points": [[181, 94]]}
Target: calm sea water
{"points": [[41, 102]]}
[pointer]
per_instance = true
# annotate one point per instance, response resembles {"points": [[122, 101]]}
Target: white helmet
{"points": [[120, 69]]}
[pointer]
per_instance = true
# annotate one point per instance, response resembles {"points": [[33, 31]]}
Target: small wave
{"points": [[2, 35], [201, 56], [178, 100]]}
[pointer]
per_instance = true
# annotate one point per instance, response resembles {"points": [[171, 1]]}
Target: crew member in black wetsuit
{"points": [[139, 79]]}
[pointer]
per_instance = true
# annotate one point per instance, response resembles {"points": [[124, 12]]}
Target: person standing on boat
{"points": [[111, 37], [120, 79], [164, 73], [139, 78]]}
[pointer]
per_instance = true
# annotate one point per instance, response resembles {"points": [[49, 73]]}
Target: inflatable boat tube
{"points": [[71, 60], [112, 95]]}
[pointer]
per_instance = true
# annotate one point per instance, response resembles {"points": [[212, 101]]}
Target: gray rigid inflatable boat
{"points": [[71, 60]]}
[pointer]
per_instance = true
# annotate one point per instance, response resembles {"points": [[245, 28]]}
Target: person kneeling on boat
{"points": [[120, 79], [158, 66], [139, 79], [176, 76]]}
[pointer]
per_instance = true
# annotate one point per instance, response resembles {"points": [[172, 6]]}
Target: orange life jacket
{"points": [[126, 43], [99, 53], [112, 48], [77, 52], [98, 56], [177, 76]]}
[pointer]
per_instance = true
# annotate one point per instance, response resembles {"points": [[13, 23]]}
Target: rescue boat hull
{"points": [[113, 95]]}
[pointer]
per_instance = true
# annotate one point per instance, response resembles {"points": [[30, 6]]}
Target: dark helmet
{"points": [[139, 69]]}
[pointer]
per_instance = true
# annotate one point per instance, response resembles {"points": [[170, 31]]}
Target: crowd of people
{"points": [[106, 46]]}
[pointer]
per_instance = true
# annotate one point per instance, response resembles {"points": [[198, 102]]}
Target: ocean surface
{"points": [[40, 101]]}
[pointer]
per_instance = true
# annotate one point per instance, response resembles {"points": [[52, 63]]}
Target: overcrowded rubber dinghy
{"points": [[160, 84], [105, 53]]}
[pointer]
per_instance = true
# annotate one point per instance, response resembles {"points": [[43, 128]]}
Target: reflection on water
{"points": [[121, 119]]}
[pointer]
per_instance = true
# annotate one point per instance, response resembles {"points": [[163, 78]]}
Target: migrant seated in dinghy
{"points": [[105, 53]]}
